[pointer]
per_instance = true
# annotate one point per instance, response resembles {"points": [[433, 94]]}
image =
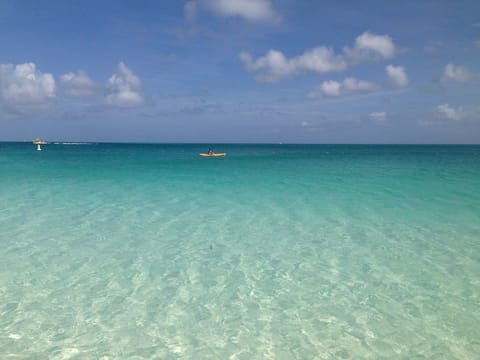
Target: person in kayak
{"points": [[210, 151]]}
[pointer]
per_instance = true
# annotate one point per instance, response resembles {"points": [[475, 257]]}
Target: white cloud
{"points": [[451, 113], [397, 75], [124, 88], [445, 114], [330, 88], [320, 59], [78, 85], [378, 116], [457, 73], [24, 89], [349, 86], [354, 85], [275, 66], [370, 47], [250, 10]]}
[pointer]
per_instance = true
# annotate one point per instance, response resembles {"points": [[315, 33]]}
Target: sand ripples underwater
{"points": [[147, 251]]}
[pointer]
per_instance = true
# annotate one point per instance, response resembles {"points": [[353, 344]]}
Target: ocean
{"points": [[147, 251]]}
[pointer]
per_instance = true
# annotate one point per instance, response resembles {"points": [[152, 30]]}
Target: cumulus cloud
{"points": [[250, 10], [124, 88], [457, 73], [77, 85], [378, 116], [370, 47], [349, 86], [24, 89], [275, 66], [451, 113], [397, 76]]}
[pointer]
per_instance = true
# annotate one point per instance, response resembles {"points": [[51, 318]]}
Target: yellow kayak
{"points": [[213, 155]]}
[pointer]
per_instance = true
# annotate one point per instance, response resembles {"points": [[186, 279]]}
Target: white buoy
{"points": [[39, 148]]}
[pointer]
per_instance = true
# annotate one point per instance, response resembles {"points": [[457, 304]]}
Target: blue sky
{"points": [[240, 71]]}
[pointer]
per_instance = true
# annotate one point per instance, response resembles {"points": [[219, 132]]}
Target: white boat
{"points": [[39, 142]]}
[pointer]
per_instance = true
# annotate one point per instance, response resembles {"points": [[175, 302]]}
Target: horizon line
{"points": [[233, 143]]}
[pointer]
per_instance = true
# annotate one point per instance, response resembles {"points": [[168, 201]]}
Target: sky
{"points": [[241, 71]]}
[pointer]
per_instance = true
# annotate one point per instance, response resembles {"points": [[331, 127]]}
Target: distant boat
{"points": [[39, 142]]}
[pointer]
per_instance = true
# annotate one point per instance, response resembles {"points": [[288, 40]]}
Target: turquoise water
{"points": [[124, 251]]}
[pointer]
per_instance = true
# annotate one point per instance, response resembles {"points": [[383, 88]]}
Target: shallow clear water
{"points": [[276, 251]]}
